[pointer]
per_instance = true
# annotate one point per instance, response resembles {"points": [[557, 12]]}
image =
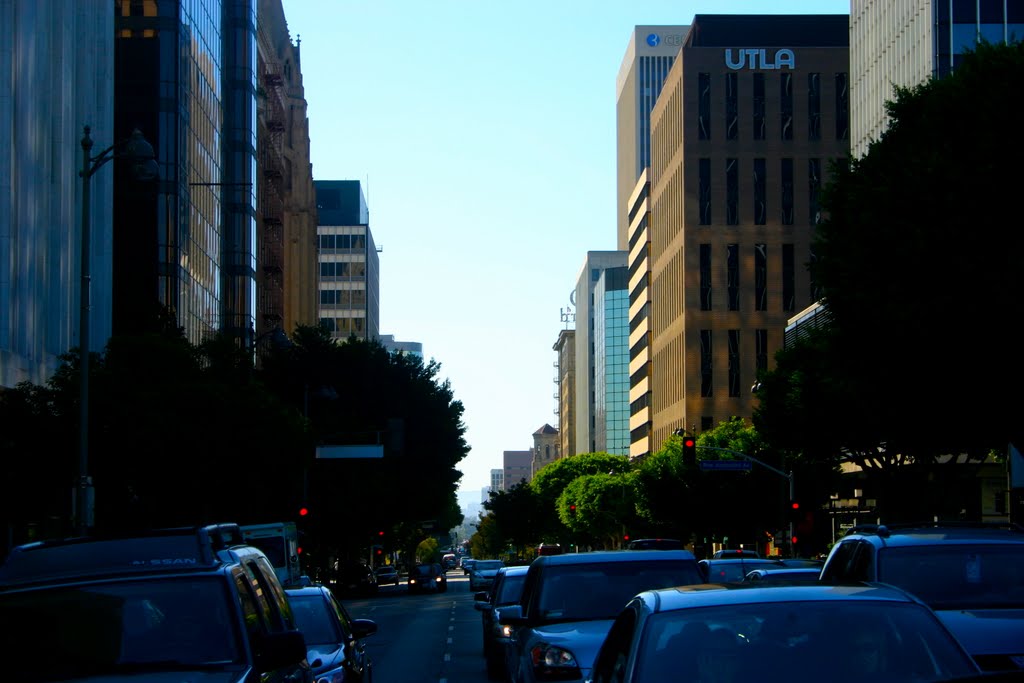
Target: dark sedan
{"points": [[506, 590], [427, 578], [334, 641]]}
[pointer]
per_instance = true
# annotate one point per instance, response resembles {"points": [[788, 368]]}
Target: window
{"points": [[788, 278], [732, 123], [760, 192], [842, 107], [813, 190], [759, 107], [786, 102], [705, 191], [761, 277], [761, 350], [732, 276], [732, 192], [734, 363], [706, 385], [787, 192], [704, 106], [705, 277], [814, 106]]}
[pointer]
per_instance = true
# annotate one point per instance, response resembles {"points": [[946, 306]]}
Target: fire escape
{"points": [[271, 151]]}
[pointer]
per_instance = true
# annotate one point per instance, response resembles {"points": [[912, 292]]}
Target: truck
{"points": [[279, 541]]}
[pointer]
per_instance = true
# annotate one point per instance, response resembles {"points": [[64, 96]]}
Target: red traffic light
{"points": [[793, 540], [689, 442], [379, 551], [572, 508], [625, 537], [303, 511], [795, 505], [380, 533]]}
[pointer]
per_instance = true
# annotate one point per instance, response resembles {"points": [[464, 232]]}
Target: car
{"points": [[569, 602], [732, 553], [387, 575], [467, 565], [334, 640], [655, 544], [506, 590], [482, 575], [353, 579], [848, 633], [971, 574], [427, 578], [448, 561], [717, 570], [783, 575], [193, 603]]}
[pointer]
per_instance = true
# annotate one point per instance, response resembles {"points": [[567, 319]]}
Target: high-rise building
{"points": [[287, 221], [56, 76], [389, 343], [497, 483], [649, 55], [751, 113], [586, 390], [565, 367], [640, 318], [904, 42], [349, 264], [185, 76], [611, 362], [516, 467]]}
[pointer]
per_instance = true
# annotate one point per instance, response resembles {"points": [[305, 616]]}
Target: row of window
{"points": [[735, 381], [760, 202], [761, 119], [345, 298], [331, 270], [732, 277], [342, 327], [343, 242]]}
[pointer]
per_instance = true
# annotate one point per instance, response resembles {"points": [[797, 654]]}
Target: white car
{"points": [[481, 576]]}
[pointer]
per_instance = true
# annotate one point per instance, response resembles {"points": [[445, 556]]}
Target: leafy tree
{"points": [[517, 515], [552, 479], [605, 508]]}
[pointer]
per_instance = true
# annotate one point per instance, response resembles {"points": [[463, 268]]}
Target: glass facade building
{"points": [[611, 362], [186, 78]]}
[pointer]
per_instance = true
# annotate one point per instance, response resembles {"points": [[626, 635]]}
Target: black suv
{"points": [[194, 601], [971, 574]]}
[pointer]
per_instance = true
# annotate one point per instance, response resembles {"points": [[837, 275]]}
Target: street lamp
{"points": [[144, 167]]}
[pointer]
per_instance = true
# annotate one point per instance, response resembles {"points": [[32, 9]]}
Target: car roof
{"points": [[935, 534], [613, 556], [715, 594], [769, 561], [515, 569], [317, 589]]}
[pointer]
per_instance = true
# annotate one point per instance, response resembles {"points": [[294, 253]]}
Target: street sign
{"points": [[726, 465]]}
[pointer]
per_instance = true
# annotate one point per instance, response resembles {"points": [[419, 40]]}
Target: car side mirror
{"points": [[363, 627], [512, 615], [480, 596]]}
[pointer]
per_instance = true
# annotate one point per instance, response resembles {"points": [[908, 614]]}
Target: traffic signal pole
{"points": [[787, 475]]}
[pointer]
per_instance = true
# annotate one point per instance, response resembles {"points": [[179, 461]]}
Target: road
{"points": [[424, 638]]}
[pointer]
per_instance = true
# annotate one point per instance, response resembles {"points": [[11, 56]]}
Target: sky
{"points": [[483, 133]]}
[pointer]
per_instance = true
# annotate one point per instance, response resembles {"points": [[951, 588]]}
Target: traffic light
{"points": [[303, 511], [625, 537], [689, 450], [794, 512], [572, 509], [380, 533]]}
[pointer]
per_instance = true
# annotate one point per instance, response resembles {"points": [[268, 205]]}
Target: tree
{"points": [[516, 515]]}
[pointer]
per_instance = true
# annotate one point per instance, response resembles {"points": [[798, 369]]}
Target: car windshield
{"points": [[488, 565], [313, 617], [511, 589], [950, 576], [579, 592], [842, 642], [112, 628], [423, 570]]}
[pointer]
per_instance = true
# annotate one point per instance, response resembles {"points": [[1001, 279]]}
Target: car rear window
{"points": [[956, 576], [511, 589], [598, 591], [485, 565]]}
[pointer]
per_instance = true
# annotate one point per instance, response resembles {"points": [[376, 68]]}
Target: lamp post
{"points": [[144, 167]]}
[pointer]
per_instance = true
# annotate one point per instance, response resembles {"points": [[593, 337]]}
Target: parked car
{"points": [[971, 574], [427, 578], [569, 602], [852, 633], [482, 575], [387, 575], [170, 604], [334, 640], [734, 568], [732, 553], [506, 590], [467, 565], [448, 561]]}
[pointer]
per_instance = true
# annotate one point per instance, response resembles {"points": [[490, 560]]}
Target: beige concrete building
{"points": [[545, 448], [287, 217], [639, 318], [565, 348], [751, 113]]}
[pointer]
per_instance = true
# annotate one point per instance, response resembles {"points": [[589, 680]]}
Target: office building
{"points": [[71, 43], [389, 343], [640, 367], [904, 42], [565, 395], [751, 114], [649, 56], [516, 467], [611, 362], [349, 264], [497, 483], [185, 75], [586, 345], [288, 269]]}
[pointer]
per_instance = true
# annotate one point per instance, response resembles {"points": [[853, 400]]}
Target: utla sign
{"points": [[759, 58]]}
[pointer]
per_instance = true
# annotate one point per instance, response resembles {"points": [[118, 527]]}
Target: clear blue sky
{"points": [[484, 135]]}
